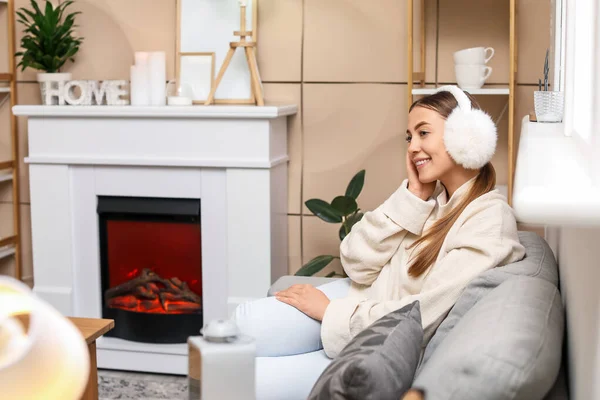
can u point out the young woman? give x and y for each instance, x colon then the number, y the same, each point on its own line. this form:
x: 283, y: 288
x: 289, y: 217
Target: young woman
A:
x: 443, y: 226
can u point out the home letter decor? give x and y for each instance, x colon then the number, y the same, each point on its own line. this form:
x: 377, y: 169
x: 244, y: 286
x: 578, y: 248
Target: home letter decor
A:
x: 51, y: 90
x: 98, y: 93
x: 85, y: 96
x: 116, y: 89
x: 90, y: 92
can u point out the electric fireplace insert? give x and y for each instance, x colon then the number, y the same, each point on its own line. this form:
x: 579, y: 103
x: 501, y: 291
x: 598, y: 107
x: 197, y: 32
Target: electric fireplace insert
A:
x: 151, y: 267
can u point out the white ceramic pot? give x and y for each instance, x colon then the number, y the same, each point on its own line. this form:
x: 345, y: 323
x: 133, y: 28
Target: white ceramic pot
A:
x: 549, y: 105
x: 51, y: 79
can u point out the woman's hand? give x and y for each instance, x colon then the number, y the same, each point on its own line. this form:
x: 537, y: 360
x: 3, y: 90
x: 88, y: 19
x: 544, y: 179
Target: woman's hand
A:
x: 306, y: 298
x: 421, y: 190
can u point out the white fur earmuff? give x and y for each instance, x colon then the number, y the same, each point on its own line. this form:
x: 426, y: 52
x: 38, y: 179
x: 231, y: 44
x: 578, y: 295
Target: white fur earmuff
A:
x: 470, y: 135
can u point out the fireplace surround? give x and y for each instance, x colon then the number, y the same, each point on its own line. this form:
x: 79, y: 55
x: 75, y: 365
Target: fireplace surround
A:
x: 231, y: 161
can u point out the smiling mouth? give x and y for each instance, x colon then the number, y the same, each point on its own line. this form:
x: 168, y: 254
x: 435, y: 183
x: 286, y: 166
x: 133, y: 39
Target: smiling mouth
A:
x: 422, y: 163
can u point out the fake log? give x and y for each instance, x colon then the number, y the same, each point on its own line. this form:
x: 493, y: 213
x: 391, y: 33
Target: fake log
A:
x: 148, y: 292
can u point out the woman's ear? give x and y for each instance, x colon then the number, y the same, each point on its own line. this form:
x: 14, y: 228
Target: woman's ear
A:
x: 470, y: 137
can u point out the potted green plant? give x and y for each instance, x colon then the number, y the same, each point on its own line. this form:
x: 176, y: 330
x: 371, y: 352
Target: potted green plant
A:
x: 48, y: 40
x: 342, y: 209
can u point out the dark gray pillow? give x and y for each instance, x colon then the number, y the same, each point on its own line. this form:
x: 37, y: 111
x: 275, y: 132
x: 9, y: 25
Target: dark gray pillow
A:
x: 379, y: 363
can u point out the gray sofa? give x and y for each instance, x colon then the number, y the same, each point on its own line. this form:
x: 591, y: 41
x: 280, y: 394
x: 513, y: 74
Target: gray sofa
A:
x: 503, y: 338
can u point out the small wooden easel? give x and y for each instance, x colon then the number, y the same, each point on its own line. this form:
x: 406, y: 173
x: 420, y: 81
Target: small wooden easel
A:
x: 255, y: 88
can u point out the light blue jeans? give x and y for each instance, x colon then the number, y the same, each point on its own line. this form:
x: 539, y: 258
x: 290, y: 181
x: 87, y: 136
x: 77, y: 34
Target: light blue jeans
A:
x: 290, y: 356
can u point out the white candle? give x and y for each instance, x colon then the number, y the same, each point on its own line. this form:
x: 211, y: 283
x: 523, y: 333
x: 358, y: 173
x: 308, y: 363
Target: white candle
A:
x: 157, y: 63
x: 179, y: 101
x: 141, y: 58
x: 139, y: 93
x: 140, y: 79
x: 133, y: 94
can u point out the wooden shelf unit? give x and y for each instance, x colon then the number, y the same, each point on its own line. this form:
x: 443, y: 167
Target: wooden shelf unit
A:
x: 9, y: 169
x: 424, y: 89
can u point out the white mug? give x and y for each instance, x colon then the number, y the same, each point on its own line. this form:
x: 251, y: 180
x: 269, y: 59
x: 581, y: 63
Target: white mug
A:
x: 471, y: 76
x: 474, y: 55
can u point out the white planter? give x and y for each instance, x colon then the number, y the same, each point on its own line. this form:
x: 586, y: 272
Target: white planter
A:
x: 549, y: 105
x: 50, y: 80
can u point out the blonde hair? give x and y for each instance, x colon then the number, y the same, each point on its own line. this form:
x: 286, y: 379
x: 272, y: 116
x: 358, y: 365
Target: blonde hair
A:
x: 431, y: 242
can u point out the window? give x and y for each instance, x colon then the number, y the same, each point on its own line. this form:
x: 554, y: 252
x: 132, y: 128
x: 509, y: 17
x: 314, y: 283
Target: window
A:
x: 580, y: 58
x: 582, y: 68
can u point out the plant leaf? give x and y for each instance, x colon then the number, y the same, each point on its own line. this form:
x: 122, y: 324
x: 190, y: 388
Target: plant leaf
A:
x: 344, y: 205
x: 342, y: 232
x: 323, y: 210
x: 314, y: 265
x: 349, y: 223
x: 48, y: 41
x: 330, y: 275
x: 353, y: 219
x: 356, y: 184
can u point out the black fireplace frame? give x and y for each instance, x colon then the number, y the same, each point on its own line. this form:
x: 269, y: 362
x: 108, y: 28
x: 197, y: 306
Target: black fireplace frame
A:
x: 136, y: 326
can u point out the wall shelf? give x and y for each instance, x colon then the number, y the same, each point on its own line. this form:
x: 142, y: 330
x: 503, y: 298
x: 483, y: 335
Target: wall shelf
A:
x: 417, y: 84
x: 503, y: 90
x: 6, y: 251
x: 9, y: 168
x: 4, y: 177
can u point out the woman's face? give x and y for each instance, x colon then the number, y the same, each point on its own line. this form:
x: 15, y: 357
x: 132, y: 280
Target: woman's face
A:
x: 426, y: 149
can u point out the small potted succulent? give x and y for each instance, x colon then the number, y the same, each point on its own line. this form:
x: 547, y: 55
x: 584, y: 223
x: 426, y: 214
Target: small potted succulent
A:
x: 48, y: 40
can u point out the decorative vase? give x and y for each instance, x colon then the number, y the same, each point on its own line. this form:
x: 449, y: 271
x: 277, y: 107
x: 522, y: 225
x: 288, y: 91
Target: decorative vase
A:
x: 549, y: 105
x: 49, y: 80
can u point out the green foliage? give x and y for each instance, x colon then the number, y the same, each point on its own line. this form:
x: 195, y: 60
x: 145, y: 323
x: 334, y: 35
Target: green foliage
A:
x: 315, y: 265
x: 48, y: 40
x: 342, y: 209
x: 356, y: 184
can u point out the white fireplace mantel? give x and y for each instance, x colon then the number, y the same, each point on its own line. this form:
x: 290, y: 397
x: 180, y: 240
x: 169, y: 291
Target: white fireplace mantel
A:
x: 194, y: 112
x: 236, y: 146
x: 232, y: 158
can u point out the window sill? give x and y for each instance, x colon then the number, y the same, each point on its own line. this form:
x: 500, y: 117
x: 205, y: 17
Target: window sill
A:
x: 552, y: 184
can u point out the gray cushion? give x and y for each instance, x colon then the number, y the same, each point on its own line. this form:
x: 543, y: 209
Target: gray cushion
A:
x: 379, y: 363
x: 559, y: 391
x: 508, y: 346
x: 538, y: 262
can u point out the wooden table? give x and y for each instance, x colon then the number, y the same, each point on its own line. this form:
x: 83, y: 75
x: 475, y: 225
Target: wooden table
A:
x: 92, y: 329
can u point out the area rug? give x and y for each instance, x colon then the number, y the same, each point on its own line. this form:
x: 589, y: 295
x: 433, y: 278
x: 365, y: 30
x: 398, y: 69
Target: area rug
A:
x: 132, y: 385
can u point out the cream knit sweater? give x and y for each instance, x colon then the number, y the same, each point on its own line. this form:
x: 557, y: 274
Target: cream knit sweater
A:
x: 376, y: 258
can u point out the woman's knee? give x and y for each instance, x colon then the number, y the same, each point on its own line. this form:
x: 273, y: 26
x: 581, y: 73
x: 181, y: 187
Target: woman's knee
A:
x: 279, y: 329
x: 336, y: 289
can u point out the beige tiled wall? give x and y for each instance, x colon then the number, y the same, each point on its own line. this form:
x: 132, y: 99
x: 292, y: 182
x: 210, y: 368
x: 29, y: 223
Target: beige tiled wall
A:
x: 342, y: 61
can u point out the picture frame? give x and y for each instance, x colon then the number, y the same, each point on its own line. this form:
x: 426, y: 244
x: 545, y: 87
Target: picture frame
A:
x: 198, y: 70
x: 208, y: 26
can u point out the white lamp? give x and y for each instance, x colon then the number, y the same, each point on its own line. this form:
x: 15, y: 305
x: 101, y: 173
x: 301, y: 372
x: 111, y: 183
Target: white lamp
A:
x: 50, y: 361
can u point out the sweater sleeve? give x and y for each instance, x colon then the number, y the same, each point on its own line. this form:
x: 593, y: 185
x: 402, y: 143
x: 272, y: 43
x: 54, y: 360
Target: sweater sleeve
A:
x: 486, y: 240
x: 376, y: 237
